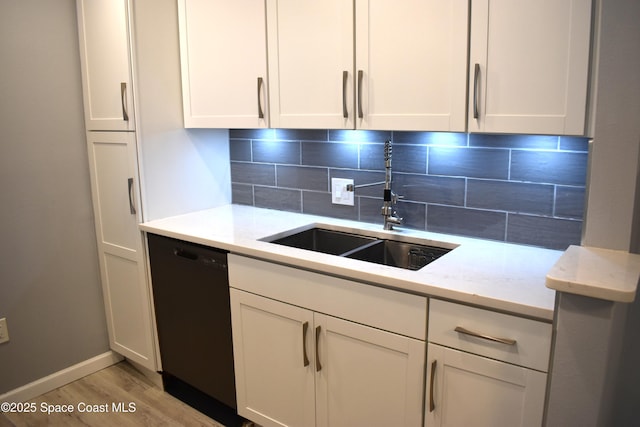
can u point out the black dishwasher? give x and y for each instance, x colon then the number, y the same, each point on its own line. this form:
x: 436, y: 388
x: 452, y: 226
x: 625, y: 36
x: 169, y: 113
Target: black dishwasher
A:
x: 191, y: 297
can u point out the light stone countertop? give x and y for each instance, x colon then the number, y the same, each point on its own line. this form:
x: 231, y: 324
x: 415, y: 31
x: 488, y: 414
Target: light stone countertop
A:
x: 598, y: 273
x: 495, y: 275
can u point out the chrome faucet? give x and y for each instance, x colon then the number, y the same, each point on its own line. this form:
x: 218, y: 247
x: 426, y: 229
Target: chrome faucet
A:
x: 388, y: 211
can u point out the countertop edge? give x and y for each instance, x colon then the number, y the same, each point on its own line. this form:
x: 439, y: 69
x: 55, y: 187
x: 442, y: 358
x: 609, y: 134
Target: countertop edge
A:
x: 431, y: 291
x: 597, y: 273
x: 175, y: 227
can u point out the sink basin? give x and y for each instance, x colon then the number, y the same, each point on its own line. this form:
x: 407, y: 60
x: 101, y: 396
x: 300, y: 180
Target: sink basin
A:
x: 398, y: 254
x: 325, y: 241
x: 404, y: 253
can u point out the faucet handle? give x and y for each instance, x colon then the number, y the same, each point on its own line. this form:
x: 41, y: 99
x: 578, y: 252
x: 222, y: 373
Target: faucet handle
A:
x: 395, y: 197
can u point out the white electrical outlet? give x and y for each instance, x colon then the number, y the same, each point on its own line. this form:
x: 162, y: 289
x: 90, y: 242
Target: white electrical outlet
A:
x: 339, y: 193
x: 4, y: 332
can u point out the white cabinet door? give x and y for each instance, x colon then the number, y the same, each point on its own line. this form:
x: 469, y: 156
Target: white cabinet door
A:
x: 112, y: 164
x: 366, y: 376
x: 274, y: 379
x: 529, y: 63
x: 468, y: 390
x: 296, y: 367
x: 112, y: 160
x: 105, y: 64
x: 411, y: 64
x: 224, y: 63
x: 311, y: 63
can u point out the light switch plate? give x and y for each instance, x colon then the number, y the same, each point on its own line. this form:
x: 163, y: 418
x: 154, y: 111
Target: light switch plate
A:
x: 339, y: 193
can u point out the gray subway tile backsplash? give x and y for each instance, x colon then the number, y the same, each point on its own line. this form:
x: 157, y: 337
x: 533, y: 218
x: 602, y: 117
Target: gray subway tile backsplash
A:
x: 524, y: 189
x: 470, y: 162
x: 242, y: 194
x: 554, y: 167
x: 287, y: 152
x: 468, y: 222
x: 317, y: 203
x: 447, y: 139
x: 253, y: 173
x: 240, y: 150
x: 543, y: 231
x: 359, y: 135
x: 277, y: 198
x: 301, y: 135
x: 302, y: 177
x: 570, y: 202
x: 340, y: 155
x: 538, y: 142
x: 430, y: 189
x: 510, y: 196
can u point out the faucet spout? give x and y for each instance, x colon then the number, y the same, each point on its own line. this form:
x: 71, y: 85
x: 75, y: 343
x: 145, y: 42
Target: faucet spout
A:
x: 390, y: 198
x: 389, y: 213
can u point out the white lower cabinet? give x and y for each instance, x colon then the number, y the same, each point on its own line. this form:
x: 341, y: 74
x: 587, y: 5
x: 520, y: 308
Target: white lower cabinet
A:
x: 113, y: 171
x: 480, y: 371
x: 297, y: 366
x: 465, y: 389
x: 274, y: 387
x: 366, y: 377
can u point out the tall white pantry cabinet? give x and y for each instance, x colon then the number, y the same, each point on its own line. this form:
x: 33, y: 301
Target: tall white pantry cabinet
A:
x: 105, y: 56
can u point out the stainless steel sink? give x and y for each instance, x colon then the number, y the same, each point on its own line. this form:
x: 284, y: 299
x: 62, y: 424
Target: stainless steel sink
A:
x: 325, y: 241
x: 398, y: 254
x: 405, y: 253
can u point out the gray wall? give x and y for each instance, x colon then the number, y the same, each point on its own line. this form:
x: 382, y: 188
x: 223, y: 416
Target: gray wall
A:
x: 616, y: 128
x: 595, y: 364
x: 49, y: 278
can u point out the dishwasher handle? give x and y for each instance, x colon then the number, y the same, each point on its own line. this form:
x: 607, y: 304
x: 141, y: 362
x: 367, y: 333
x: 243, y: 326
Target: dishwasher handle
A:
x: 185, y: 254
x: 205, y: 259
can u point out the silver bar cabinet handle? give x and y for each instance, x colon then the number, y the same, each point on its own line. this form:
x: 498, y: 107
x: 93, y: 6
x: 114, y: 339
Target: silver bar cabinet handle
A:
x: 123, y: 98
x: 360, y: 77
x: 345, y: 77
x: 132, y: 208
x: 318, y: 365
x: 305, y: 359
x: 432, y: 402
x: 260, y: 112
x: 476, y: 76
x: 507, y: 341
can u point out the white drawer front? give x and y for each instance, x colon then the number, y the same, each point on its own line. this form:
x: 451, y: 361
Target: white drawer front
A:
x: 393, y: 311
x: 532, y: 339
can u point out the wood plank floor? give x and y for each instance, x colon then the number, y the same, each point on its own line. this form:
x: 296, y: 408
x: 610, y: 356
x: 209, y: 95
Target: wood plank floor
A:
x: 117, y: 384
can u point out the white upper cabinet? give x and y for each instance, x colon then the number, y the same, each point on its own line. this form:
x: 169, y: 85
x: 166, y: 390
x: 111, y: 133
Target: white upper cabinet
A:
x: 105, y: 64
x: 311, y: 63
x: 529, y: 63
x: 224, y: 63
x: 388, y: 65
x: 411, y: 64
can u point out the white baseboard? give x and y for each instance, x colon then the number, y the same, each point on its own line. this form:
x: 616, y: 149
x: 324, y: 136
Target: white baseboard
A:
x: 60, y: 378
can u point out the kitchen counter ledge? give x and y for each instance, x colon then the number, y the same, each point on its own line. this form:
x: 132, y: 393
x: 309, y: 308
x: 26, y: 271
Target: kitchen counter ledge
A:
x: 597, y: 273
x: 494, y: 275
